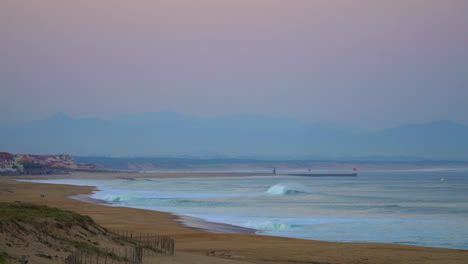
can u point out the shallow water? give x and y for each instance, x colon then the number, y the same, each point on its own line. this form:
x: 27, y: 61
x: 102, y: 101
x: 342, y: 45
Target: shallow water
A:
x: 405, y: 207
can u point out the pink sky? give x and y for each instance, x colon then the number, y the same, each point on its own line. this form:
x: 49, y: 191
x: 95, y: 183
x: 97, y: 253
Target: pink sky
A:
x: 373, y: 63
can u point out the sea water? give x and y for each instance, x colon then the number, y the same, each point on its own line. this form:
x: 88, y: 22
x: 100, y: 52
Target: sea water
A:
x: 403, y: 207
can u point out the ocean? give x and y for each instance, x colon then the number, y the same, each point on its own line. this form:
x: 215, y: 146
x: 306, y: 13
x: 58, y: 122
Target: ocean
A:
x: 402, y: 207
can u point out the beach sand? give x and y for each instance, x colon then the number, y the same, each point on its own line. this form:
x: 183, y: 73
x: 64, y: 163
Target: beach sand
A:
x: 194, y: 245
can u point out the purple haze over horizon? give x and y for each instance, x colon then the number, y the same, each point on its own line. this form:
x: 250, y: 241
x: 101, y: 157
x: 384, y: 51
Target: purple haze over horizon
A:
x: 372, y: 63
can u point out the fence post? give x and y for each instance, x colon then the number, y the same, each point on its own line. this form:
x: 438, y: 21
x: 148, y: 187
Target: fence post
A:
x: 160, y: 241
x: 172, y: 247
x: 137, y: 254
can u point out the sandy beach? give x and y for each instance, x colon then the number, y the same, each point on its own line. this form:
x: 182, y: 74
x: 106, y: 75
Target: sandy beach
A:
x: 223, y: 244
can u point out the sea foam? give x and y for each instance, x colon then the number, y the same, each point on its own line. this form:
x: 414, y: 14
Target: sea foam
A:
x: 390, y: 206
x: 288, y: 189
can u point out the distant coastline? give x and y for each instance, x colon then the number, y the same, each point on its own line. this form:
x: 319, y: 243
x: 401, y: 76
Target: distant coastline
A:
x: 26, y: 164
x: 200, y: 165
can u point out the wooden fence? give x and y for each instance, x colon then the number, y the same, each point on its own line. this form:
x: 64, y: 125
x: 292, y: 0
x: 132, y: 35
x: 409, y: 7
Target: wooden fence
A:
x: 163, y: 244
x: 138, y: 248
x: 131, y: 256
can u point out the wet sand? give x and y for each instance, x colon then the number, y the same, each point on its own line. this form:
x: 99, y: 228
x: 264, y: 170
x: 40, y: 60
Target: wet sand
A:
x: 188, y: 221
x: 213, y: 227
x: 194, y: 245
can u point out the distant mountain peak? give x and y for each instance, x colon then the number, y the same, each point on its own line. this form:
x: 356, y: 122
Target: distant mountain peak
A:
x: 60, y: 116
x: 171, y: 133
x: 152, y: 117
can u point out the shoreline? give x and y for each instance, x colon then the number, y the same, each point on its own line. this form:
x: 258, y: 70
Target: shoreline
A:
x: 88, y: 199
x: 185, y: 220
x: 197, y: 246
x: 192, y: 222
x: 212, y: 227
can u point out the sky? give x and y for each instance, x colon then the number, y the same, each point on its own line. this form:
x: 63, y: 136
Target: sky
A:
x: 371, y: 63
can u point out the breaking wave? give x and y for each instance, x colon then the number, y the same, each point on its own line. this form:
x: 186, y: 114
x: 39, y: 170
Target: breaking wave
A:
x: 288, y: 189
x: 270, y: 225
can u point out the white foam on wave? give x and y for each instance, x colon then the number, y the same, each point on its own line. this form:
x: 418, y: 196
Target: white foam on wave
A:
x: 269, y: 225
x: 261, y: 224
x: 288, y: 189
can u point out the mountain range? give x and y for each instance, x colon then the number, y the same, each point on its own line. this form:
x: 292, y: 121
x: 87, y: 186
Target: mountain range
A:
x: 173, y: 134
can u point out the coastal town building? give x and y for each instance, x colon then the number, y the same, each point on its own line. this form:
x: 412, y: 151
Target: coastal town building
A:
x: 24, y: 162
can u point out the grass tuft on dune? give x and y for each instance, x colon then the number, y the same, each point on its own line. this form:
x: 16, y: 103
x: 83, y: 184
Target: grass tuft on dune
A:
x: 43, y: 234
x: 23, y: 212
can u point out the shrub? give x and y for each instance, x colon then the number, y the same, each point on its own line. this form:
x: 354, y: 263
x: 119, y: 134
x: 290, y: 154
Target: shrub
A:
x: 32, y: 165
